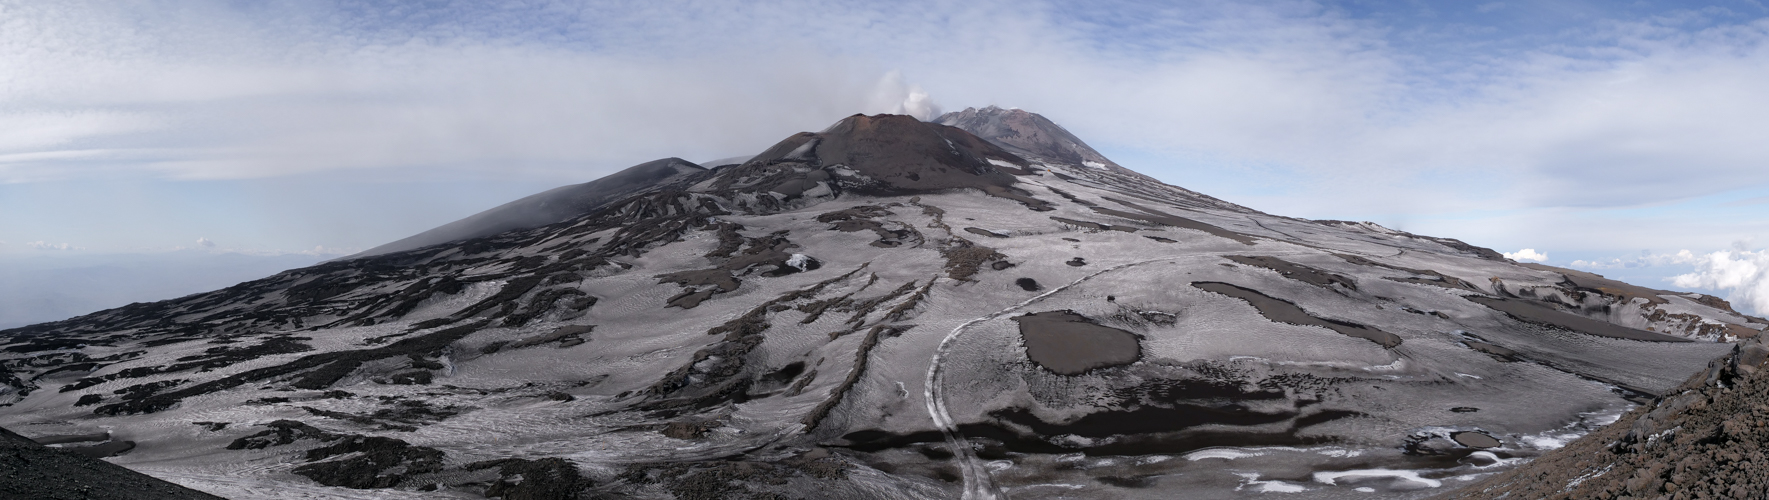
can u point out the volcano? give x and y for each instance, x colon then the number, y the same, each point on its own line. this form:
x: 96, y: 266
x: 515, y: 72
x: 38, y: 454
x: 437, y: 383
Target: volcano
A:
x: 980, y: 306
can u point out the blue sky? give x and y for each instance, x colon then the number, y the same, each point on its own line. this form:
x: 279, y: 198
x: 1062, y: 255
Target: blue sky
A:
x: 1610, y: 135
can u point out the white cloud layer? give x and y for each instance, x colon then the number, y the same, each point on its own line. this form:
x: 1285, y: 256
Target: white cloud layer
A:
x: 1741, y: 272
x: 1527, y: 254
x: 44, y: 245
x: 1745, y: 273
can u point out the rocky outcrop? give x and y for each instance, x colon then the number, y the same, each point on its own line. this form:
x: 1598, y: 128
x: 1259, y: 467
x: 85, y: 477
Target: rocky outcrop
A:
x: 1709, y: 439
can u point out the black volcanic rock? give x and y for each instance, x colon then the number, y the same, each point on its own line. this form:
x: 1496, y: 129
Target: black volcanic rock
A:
x: 900, y: 153
x: 881, y: 155
x: 31, y: 470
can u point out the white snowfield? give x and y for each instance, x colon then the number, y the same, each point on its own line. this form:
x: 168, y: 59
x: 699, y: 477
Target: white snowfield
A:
x: 873, y: 354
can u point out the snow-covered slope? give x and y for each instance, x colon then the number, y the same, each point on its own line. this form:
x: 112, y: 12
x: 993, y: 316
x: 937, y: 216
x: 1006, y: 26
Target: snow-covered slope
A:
x: 883, y: 309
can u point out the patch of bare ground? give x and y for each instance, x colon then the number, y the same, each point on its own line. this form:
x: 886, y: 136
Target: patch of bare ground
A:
x: 1093, y: 225
x: 1284, y: 311
x: 964, y: 258
x: 1071, y: 344
x: 1295, y: 271
x: 1432, y: 278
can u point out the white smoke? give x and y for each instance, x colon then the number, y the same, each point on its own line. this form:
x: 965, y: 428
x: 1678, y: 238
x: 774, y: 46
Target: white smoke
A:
x: 898, y: 97
x: 1744, y: 272
x: 1527, y: 254
x: 205, y: 242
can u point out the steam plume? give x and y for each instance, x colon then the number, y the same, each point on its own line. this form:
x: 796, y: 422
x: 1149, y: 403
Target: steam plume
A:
x: 898, y: 97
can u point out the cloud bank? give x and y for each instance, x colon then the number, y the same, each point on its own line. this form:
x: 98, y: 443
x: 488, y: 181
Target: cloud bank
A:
x: 1527, y: 254
x: 1740, y: 272
x: 1743, y: 272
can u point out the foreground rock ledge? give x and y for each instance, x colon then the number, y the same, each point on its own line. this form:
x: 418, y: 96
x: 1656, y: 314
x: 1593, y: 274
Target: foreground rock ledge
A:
x: 1705, y: 440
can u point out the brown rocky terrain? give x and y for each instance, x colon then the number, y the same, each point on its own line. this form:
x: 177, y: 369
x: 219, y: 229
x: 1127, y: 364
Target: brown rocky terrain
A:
x: 1705, y: 440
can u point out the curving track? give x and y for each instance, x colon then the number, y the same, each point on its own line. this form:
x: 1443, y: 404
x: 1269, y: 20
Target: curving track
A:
x: 978, y: 484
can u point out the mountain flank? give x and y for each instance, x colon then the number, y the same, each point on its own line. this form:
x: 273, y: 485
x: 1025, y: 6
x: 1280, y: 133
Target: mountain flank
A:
x: 977, y: 307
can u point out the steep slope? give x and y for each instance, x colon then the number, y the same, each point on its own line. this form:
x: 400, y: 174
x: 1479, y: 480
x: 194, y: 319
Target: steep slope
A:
x: 1035, y: 137
x: 882, y: 309
x: 1027, y: 133
x: 552, y: 206
x: 39, y: 472
x: 1704, y: 440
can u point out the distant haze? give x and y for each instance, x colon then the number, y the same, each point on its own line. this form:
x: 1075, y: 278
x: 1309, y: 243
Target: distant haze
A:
x: 50, y: 288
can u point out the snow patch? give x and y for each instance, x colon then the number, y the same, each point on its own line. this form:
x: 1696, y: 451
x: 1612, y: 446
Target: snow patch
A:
x: 803, y: 152
x: 818, y: 191
x: 1587, y: 422
x: 1273, y: 486
x: 1334, y: 476
x: 1223, y: 453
